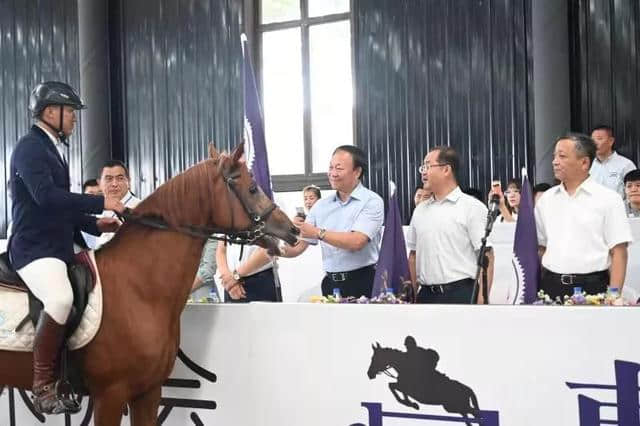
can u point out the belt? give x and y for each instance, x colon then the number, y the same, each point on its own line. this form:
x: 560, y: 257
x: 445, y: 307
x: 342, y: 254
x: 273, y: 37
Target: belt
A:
x: 443, y: 288
x: 338, y: 277
x: 576, y: 279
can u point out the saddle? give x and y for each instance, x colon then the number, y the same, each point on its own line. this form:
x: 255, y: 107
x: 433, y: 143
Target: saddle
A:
x: 81, y: 275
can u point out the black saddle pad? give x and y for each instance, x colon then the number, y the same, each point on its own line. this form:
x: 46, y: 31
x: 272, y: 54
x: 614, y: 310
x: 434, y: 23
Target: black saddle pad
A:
x: 9, y: 277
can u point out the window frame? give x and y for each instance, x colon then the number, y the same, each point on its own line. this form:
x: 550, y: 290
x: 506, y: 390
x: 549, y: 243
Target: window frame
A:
x: 295, y: 182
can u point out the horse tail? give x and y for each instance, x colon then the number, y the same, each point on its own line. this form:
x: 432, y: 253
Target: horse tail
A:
x: 474, y: 402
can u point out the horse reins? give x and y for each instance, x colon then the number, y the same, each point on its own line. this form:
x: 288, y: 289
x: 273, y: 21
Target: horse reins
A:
x: 250, y: 236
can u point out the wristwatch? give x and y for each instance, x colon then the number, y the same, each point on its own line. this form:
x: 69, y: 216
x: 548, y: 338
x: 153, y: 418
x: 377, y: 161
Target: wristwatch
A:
x: 235, y: 275
x: 321, y: 234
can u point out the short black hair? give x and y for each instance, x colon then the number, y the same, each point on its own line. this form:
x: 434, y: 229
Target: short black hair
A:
x: 584, y: 145
x: 541, y: 187
x: 448, y: 156
x: 632, y: 176
x: 605, y: 127
x: 115, y: 163
x: 358, y: 155
x: 89, y: 182
x: 314, y: 189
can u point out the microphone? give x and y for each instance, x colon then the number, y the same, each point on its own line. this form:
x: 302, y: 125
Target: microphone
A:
x: 494, y: 205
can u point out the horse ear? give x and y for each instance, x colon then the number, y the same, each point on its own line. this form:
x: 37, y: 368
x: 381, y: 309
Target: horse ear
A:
x: 378, y: 345
x: 373, y: 347
x: 213, y: 153
x: 237, y: 153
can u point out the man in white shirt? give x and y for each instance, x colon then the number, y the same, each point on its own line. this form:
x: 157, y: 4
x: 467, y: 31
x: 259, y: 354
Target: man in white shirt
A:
x: 609, y: 167
x: 114, y: 183
x: 445, y: 234
x: 582, y: 227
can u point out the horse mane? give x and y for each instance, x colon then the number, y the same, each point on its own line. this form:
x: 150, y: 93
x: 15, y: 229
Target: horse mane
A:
x: 186, y: 198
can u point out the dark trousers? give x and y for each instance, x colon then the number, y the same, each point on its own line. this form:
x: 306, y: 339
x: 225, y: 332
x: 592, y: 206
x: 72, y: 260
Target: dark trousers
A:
x: 356, y: 283
x: 557, y: 285
x: 453, y: 292
x: 260, y: 287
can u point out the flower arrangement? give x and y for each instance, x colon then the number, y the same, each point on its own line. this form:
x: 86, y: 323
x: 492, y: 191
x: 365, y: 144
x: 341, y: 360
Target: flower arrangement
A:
x: 385, y: 298
x: 611, y: 298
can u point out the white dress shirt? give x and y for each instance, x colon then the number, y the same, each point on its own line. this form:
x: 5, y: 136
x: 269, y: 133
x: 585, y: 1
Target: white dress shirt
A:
x: 56, y: 142
x: 578, y: 231
x: 446, y: 236
x: 129, y: 200
x: 611, y: 171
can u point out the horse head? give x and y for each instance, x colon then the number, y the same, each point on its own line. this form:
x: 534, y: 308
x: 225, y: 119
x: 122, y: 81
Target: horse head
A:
x: 381, y: 360
x: 250, y: 208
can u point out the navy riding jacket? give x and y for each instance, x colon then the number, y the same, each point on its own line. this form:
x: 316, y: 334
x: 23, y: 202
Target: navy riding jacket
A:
x: 47, y: 216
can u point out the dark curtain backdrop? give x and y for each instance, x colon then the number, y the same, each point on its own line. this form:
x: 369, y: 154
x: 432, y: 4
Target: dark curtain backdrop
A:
x: 176, y: 84
x: 605, y: 36
x: 442, y: 72
x: 38, y: 42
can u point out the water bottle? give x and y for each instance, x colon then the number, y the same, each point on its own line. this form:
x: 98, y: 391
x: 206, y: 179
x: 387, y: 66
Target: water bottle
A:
x: 336, y: 294
x: 613, y: 294
x: 578, y: 297
x: 213, y: 295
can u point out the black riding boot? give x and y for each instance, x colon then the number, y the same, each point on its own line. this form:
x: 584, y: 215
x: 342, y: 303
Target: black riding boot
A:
x: 49, y: 338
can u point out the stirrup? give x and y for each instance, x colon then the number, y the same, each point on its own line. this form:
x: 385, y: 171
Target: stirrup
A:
x: 56, y: 398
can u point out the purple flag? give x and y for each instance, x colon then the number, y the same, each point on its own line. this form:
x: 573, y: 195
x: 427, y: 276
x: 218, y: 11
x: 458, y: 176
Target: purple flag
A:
x: 393, y: 266
x: 525, y: 247
x: 255, y: 146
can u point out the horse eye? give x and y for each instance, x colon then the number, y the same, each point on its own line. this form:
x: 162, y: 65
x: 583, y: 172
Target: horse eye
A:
x: 253, y: 188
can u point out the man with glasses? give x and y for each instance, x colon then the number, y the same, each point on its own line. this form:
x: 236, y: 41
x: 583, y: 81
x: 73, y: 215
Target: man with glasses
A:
x: 445, y: 234
x: 632, y: 192
x: 114, y: 184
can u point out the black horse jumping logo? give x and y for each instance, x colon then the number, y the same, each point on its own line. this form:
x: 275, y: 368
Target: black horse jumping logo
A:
x: 418, y: 378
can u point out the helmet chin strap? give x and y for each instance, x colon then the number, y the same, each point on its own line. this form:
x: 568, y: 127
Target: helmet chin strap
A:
x: 61, y: 135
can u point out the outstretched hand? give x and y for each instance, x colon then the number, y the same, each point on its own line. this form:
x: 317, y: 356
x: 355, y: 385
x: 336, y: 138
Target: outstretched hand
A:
x: 108, y: 224
x: 114, y: 205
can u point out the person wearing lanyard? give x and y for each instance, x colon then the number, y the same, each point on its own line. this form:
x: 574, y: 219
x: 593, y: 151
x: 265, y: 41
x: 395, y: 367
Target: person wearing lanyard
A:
x: 445, y: 234
x: 347, y: 224
x: 114, y: 183
x: 582, y: 227
x: 46, y: 220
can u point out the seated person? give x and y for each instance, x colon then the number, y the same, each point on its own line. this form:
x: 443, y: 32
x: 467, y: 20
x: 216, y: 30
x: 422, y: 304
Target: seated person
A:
x: 632, y: 193
x: 310, y: 195
x: 114, y: 183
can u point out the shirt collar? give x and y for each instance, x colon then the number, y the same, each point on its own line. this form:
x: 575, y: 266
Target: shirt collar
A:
x: 609, y: 158
x: 127, y: 197
x: 588, y: 185
x: 452, y: 196
x: 358, y: 193
x: 53, y: 138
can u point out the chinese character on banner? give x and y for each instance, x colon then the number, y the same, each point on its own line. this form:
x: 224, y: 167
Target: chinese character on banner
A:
x: 627, y: 402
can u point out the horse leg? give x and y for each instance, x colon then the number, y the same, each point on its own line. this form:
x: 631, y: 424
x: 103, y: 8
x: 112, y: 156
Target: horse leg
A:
x: 396, y: 391
x: 107, y: 410
x: 144, y: 409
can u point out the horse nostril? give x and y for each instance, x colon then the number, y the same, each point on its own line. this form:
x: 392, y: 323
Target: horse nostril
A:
x: 295, y: 230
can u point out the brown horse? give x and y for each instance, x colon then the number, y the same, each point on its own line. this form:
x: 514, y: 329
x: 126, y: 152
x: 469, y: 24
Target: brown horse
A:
x: 146, y: 277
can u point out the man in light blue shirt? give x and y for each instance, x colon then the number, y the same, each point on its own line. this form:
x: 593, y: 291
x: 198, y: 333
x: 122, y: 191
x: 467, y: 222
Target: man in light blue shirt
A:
x: 347, y: 224
x: 609, y: 168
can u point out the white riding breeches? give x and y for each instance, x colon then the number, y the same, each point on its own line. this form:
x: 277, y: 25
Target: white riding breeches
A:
x: 48, y: 281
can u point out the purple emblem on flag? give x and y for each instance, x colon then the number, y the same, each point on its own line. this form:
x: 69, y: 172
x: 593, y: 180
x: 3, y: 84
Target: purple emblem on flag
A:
x: 525, y: 247
x: 393, y: 266
x: 255, y: 146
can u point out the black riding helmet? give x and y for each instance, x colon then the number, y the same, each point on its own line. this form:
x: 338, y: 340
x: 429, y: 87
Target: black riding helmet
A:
x: 54, y: 93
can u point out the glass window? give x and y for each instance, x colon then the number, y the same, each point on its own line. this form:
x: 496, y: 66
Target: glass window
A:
x: 327, y: 7
x: 283, y: 102
x: 331, y: 90
x: 279, y: 10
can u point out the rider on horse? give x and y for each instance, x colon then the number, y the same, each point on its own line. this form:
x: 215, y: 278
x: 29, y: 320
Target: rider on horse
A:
x: 47, y: 218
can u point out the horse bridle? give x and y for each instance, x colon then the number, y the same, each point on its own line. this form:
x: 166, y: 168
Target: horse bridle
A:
x: 250, y: 236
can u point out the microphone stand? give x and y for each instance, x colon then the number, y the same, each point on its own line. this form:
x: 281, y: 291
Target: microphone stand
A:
x: 483, y: 260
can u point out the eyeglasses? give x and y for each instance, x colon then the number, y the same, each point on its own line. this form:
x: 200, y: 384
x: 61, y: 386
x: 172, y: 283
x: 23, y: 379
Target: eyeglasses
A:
x: 119, y: 178
x: 632, y: 185
x: 426, y: 167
